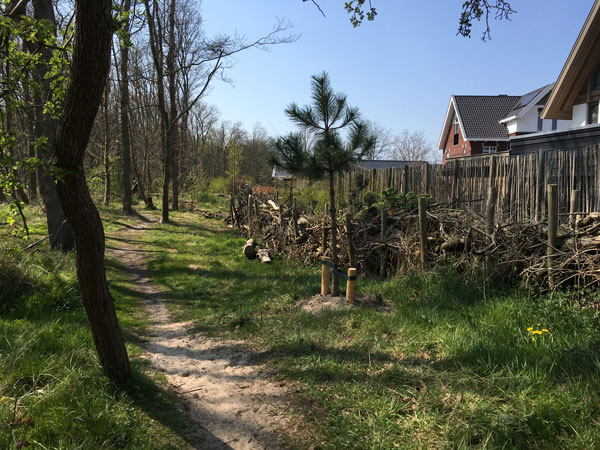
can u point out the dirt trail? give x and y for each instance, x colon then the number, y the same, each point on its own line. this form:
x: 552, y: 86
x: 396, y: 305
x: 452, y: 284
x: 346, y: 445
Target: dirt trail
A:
x: 230, y: 400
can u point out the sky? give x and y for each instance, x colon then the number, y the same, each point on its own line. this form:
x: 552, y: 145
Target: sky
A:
x: 399, y: 70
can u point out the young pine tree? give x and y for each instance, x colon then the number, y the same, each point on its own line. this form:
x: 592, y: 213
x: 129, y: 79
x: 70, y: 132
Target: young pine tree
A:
x: 320, y: 150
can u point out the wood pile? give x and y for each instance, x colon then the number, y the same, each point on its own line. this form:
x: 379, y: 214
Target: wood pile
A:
x: 512, y: 251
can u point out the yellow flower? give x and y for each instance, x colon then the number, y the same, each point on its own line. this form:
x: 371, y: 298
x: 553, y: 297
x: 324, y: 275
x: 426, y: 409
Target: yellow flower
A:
x: 530, y: 328
x: 4, y: 399
x: 533, y: 338
x: 539, y: 324
x: 545, y: 330
x: 536, y: 332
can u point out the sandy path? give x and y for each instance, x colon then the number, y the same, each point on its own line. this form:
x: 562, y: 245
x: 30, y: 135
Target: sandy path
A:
x: 232, y: 403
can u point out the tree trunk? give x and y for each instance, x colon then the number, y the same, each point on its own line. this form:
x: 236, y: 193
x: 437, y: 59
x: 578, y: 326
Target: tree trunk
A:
x: 59, y: 229
x: 89, y: 69
x: 124, y: 116
x: 334, y: 251
x: 106, y: 147
x: 171, y: 157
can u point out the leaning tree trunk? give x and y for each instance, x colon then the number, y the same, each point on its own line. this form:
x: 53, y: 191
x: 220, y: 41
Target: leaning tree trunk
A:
x: 334, y: 252
x: 89, y: 69
x: 124, y: 116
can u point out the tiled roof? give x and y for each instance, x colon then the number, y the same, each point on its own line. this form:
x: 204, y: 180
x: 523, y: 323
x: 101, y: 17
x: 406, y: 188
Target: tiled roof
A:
x: 479, y: 115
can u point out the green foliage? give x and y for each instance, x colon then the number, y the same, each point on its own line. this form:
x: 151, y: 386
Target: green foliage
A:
x: 325, y: 152
x: 234, y: 163
x: 358, y: 11
x: 390, y: 198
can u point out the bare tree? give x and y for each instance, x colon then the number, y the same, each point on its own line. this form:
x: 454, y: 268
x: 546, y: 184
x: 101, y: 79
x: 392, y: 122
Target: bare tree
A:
x: 411, y: 146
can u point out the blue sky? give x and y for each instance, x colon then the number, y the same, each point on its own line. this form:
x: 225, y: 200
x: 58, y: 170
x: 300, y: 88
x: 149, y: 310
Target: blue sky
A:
x: 400, y: 70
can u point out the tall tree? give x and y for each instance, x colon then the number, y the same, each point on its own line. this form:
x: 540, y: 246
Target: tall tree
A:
x: 325, y: 153
x: 89, y: 69
x: 123, y: 71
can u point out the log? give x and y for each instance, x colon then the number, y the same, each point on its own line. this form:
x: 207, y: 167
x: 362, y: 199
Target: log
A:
x: 249, y: 249
x: 264, y: 256
x: 273, y: 205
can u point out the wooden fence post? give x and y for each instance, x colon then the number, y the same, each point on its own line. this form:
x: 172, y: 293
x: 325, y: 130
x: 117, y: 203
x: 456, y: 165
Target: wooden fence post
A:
x: 574, y: 209
x: 351, y: 285
x: 295, y: 220
x: 490, y: 210
x: 232, y: 210
x: 540, y: 174
x: 249, y: 207
x: 325, y: 277
x: 349, y: 234
x: 405, y: 186
x: 384, y: 217
x: 552, y: 230
x: 423, y: 231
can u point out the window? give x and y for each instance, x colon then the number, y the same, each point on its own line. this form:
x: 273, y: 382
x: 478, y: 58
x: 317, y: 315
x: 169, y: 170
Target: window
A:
x: 596, y: 80
x: 456, y: 131
x: 487, y: 149
x: 592, y: 113
x: 554, y: 124
x: 540, y: 122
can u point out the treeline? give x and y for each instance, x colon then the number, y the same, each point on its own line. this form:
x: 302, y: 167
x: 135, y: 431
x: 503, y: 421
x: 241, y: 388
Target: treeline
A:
x: 154, y: 134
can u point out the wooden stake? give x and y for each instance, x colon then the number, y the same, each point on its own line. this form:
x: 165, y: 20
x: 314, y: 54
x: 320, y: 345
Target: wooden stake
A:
x: 249, y: 215
x: 552, y: 230
x: 349, y: 234
x: 423, y: 231
x: 295, y: 220
x: 325, y: 277
x: 384, y: 217
x: 490, y: 210
x: 232, y: 210
x: 351, y: 286
x: 574, y: 208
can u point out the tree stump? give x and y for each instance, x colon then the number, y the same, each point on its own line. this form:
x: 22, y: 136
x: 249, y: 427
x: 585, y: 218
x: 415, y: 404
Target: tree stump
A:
x: 249, y: 249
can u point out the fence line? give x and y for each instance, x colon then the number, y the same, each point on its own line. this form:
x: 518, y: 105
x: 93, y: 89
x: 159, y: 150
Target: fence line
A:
x: 521, y: 181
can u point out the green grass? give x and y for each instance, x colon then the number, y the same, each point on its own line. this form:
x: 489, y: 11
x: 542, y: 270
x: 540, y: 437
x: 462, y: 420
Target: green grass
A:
x: 447, y: 368
x: 49, y: 366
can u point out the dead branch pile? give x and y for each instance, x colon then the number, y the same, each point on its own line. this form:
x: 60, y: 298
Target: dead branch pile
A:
x: 511, y: 251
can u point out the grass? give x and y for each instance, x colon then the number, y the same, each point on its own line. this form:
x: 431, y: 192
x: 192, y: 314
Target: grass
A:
x: 49, y: 370
x: 447, y: 368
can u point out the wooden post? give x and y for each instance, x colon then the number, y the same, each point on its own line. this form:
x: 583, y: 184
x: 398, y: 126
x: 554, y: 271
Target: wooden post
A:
x: 490, y: 210
x: 295, y: 220
x: 257, y: 208
x: 325, y: 277
x: 423, y: 231
x: 552, y: 230
x: 574, y: 208
x: 249, y: 215
x: 349, y: 234
x: 541, y: 167
x: 277, y: 197
x: 427, y: 179
x: 351, y: 286
x: 384, y: 217
x: 405, y: 180
x: 232, y: 210
x: 326, y: 209
x: 324, y: 237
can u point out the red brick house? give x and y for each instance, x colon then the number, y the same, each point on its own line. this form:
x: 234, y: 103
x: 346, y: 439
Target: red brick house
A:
x: 472, y: 125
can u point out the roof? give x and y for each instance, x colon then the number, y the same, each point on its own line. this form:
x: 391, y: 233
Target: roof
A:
x: 582, y: 61
x: 280, y: 174
x: 528, y: 101
x: 479, y: 116
x: 379, y: 164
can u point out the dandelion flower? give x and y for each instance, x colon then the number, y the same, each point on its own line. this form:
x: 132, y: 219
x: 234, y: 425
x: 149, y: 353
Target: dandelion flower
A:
x: 530, y: 328
x: 539, y: 324
x: 545, y: 330
x: 536, y: 332
x: 533, y: 338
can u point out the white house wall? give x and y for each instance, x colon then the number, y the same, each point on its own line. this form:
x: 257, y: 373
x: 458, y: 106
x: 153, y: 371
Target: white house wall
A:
x: 579, y: 115
x: 529, y: 121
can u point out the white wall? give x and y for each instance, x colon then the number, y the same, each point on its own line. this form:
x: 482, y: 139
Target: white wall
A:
x: 579, y: 115
x: 529, y: 122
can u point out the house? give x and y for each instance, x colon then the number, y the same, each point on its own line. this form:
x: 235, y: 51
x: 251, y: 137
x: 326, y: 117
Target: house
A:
x: 279, y: 174
x: 575, y: 96
x: 472, y: 125
x: 526, y: 116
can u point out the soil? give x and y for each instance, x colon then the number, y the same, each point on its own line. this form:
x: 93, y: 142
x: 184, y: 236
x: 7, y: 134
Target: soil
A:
x: 231, y: 400
x: 317, y: 303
